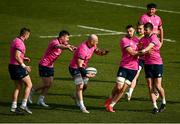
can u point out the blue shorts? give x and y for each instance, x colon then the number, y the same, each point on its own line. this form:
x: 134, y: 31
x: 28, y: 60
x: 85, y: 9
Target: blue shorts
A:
x: 17, y: 72
x: 74, y: 71
x: 141, y: 63
x: 78, y: 78
x: 128, y: 74
x: 45, y: 71
x: 153, y: 71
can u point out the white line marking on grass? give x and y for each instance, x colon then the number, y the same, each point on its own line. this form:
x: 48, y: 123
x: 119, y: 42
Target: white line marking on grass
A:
x: 169, y: 40
x: 109, y: 32
x: 98, y: 29
x: 80, y: 35
x: 131, y: 6
x: 115, y: 32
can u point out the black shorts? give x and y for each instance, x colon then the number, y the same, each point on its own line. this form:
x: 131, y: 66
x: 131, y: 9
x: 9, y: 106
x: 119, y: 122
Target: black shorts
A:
x: 153, y: 71
x: 45, y: 71
x: 141, y: 63
x: 17, y: 72
x: 74, y: 72
x: 128, y: 74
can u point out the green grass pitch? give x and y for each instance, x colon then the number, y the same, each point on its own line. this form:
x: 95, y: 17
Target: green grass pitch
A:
x: 47, y: 18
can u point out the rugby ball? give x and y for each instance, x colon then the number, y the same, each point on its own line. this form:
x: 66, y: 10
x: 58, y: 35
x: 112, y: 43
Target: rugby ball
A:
x: 91, y: 70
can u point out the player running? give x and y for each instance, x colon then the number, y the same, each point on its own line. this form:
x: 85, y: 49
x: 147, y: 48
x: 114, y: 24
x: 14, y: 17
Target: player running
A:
x: 153, y: 66
x: 78, y: 65
x: 19, y: 72
x: 127, y: 69
x: 46, y: 65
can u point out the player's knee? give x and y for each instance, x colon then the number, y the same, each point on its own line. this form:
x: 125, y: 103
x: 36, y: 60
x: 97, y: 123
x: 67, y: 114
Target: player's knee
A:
x: 80, y: 86
x: 119, y: 87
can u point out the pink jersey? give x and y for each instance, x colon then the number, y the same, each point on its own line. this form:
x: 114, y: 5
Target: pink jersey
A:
x: 51, y: 54
x: 154, y: 56
x: 17, y: 44
x: 83, y: 52
x: 128, y: 61
x: 155, y: 20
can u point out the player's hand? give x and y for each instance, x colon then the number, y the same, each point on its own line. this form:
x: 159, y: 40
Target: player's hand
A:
x: 105, y: 52
x: 73, y: 47
x: 27, y: 59
x: 28, y: 68
x: 70, y: 48
x: 90, y: 75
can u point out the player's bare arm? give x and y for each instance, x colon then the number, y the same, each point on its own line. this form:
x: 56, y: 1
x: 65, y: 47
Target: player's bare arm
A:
x: 133, y: 52
x: 147, y: 49
x: 161, y: 34
x: 68, y: 46
x: 20, y: 61
x: 101, y: 52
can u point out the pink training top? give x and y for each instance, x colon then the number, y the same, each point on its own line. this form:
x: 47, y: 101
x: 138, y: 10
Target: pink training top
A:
x: 17, y: 44
x: 154, y: 56
x: 52, y: 53
x: 128, y: 61
x: 155, y: 20
x: 82, y: 52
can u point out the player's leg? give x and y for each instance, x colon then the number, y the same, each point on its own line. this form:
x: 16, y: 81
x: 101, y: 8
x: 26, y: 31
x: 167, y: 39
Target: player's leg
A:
x: 119, y: 88
x: 130, y: 75
x: 121, y: 74
x: 17, y: 72
x: 85, y: 80
x: 28, y: 85
x: 158, y: 84
x: 121, y: 92
x: 46, y: 74
x: 134, y: 82
x: 79, y: 92
x: 133, y: 85
x: 149, y: 72
x: 47, y: 82
x: 153, y: 97
x: 16, y: 92
x: 161, y: 93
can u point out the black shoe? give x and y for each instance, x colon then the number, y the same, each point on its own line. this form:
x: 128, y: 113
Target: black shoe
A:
x: 162, y: 107
x: 155, y: 110
x: 16, y: 111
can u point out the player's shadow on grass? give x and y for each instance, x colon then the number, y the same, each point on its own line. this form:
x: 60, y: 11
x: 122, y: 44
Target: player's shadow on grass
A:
x: 91, y: 80
x: 62, y: 107
x: 63, y: 78
x: 7, y: 112
x: 95, y: 97
x: 176, y: 62
x: 134, y: 110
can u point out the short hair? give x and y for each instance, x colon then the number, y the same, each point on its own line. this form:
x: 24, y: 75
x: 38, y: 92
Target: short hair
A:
x: 151, y: 5
x: 63, y: 33
x: 139, y: 24
x: 24, y: 30
x: 148, y: 25
x: 129, y: 26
